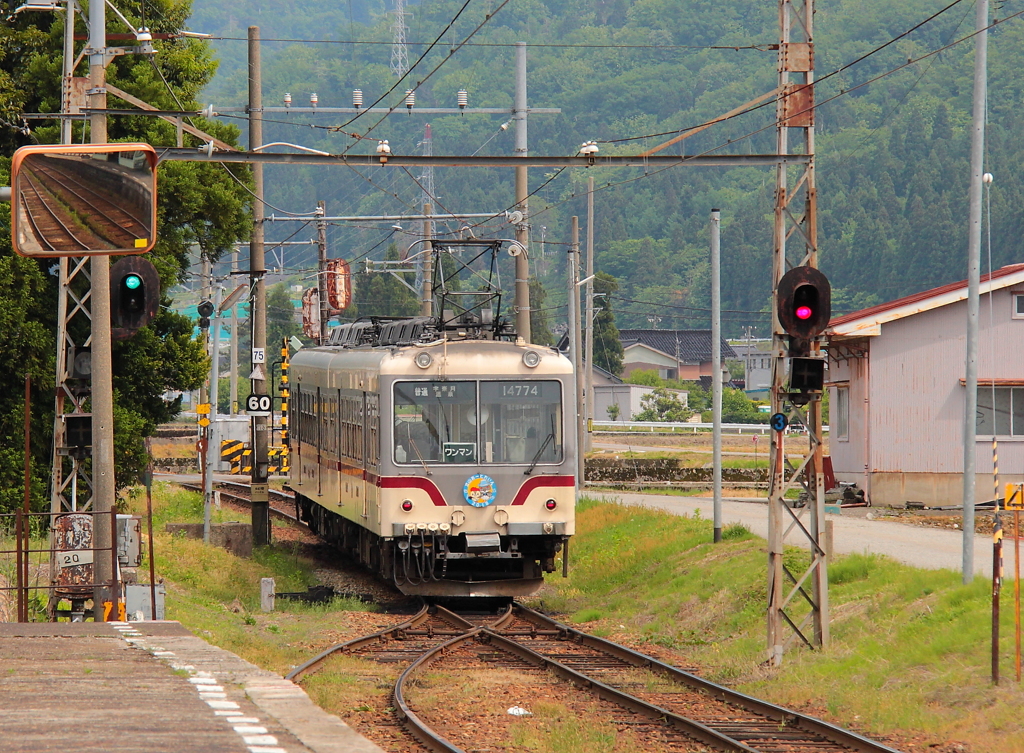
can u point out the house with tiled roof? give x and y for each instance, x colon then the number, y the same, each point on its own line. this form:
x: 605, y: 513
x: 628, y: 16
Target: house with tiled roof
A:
x: 896, y: 381
x: 674, y: 353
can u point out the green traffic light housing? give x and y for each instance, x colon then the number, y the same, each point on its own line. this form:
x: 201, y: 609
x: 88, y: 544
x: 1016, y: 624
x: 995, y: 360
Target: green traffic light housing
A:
x: 134, y: 295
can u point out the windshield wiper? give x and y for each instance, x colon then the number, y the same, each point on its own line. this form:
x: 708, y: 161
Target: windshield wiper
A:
x: 540, y: 452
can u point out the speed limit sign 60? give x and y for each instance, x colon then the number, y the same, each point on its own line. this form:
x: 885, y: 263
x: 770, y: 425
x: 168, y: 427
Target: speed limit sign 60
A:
x: 257, y: 405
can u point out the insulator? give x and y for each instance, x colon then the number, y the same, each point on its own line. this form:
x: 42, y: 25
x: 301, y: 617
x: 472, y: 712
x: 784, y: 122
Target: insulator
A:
x: 287, y: 99
x: 357, y: 98
x: 313, y: 99
x: 410, y: 98
x: 462, y: 98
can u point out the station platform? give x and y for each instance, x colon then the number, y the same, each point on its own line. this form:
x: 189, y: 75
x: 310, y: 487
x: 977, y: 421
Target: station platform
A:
x: 150, y: 687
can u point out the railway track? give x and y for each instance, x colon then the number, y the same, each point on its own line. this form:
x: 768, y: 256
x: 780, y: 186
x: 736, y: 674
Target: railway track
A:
x: 662, y: 707
x: 52, y: 226
x: 74, y: 197
x: 282, y: 504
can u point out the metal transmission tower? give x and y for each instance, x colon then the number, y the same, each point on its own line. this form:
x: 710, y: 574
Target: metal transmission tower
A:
x: 399, y: 53
x: 796, y: 600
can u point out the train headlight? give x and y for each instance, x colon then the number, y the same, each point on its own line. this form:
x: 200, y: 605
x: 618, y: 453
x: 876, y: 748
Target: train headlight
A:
x: 531, y: 358
x: 423, y: 359
x: 551, y: 504
x: 407, y: 504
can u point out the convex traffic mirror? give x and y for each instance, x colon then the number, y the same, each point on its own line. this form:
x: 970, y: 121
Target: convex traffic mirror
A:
x: 83, y: 200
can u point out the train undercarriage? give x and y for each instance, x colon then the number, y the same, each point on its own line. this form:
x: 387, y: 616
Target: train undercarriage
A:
x: 436, y: 563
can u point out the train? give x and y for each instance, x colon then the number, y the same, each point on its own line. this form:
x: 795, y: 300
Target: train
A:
x: 437, y: 452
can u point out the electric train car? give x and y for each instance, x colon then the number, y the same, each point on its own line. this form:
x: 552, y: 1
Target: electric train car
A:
x: 441, y: 458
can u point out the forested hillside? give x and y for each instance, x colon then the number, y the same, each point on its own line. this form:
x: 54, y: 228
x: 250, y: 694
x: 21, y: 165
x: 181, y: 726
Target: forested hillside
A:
x: 893, y: 153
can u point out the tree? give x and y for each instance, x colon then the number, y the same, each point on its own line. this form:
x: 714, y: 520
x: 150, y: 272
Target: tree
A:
x: 201, y: 204
x: 662, y: 405
x: 607, y: 344
x: 281, y: 324
x: 380, y: 294
x: 647, y: 377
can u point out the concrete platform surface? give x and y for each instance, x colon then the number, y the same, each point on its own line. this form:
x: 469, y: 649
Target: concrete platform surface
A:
x: 150, y: 687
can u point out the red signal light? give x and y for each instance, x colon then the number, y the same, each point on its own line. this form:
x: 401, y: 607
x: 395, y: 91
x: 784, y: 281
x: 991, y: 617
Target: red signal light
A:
x: 803, y: 312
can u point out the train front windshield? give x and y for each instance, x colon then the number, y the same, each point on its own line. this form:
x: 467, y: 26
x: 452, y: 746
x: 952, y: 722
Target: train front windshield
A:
x: 509, y: 421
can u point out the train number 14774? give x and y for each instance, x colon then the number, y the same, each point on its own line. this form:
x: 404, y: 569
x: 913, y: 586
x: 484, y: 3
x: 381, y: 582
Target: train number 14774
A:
x: 520, y: 390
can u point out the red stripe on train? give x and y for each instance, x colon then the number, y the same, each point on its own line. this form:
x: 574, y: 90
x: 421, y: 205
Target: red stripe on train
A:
x: 539, y: 482
x: 414, y: 482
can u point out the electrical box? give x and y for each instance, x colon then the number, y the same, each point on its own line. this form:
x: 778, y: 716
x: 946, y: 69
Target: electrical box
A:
x: 129, y: 540
x: 138, y: 598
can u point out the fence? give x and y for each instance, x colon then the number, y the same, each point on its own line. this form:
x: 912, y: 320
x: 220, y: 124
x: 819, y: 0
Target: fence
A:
x: 72, y: 552
x: 687, y: 428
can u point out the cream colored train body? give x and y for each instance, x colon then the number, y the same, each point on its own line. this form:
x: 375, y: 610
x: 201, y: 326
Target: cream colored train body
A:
x: 446, y: 467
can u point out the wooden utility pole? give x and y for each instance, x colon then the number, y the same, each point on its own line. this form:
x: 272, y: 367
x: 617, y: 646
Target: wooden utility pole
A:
x: 792, y: 606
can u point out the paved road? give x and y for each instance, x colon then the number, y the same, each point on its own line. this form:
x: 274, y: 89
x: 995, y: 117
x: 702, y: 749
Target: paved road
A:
x: 854, y: 531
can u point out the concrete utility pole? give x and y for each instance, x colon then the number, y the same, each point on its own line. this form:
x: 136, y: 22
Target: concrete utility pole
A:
x: 321, y: 277
x: 974, y: 283
x: 234, y: 340
x: 522, y: 296
x: 104, y: 487
x: 212, y: 435
x: 259, y: 493
x: 574, y: 344
x: 716, y: 370
x: 590, y: 312
x: 790, y: 606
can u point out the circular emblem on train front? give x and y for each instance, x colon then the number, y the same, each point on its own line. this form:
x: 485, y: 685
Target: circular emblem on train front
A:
x: 480, y: 490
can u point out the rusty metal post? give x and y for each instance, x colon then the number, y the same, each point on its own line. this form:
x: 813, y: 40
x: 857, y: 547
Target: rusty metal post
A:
x: 115, y: 591
x: 26, y: 507
x: 18, y: 566
x: 1016, y: 588
x: 997, y: 582
x: 149, y: 515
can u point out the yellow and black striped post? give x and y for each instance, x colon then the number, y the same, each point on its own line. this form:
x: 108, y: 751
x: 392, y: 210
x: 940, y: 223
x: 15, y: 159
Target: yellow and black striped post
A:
x: 284, y: 392
x: 231, y: 452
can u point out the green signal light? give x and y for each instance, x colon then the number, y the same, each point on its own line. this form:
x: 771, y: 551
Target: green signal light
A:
x: 132, y: 282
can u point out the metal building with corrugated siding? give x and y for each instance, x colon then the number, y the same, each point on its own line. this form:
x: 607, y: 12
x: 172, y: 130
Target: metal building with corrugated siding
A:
x: 896, y: 387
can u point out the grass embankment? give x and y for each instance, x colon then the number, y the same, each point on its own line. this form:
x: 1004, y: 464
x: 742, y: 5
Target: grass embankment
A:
x: 217, y: 595
x: 909, y: 655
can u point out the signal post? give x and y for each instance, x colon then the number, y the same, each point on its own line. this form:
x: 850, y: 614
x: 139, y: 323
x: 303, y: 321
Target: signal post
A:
x: 797, y: 601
